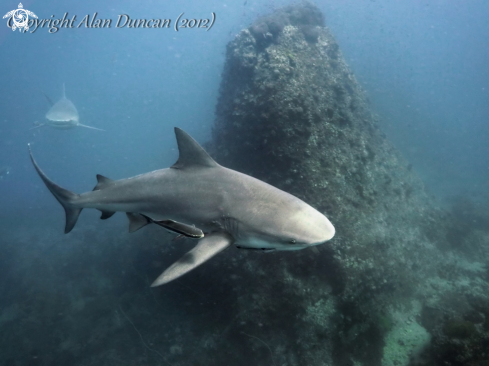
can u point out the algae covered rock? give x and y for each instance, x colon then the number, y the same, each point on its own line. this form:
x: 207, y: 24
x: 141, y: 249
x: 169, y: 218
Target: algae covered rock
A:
x: 292, y: 113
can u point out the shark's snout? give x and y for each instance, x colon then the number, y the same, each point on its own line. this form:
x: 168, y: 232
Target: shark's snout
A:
x: 328, y: 232
x: 313, y: 226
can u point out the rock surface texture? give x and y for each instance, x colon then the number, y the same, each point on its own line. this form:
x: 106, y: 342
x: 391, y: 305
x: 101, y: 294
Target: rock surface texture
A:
x: 397, y: 283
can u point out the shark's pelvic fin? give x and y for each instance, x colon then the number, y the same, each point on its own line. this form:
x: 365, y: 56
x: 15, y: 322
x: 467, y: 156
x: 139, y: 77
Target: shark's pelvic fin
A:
x: 191, y: 153
x: 136, y: 221
x: 63, y: 196
x: 208, y: 246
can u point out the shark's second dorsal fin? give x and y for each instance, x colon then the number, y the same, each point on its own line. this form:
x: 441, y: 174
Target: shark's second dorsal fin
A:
x: 191, y: 153
x: 102, y: 182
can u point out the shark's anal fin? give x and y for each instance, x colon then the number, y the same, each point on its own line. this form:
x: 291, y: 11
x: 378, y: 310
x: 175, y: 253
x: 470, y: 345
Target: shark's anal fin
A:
x: 208, y: 247
x: 178, y: 227
x: 106, y: 214
x: 136, y: 221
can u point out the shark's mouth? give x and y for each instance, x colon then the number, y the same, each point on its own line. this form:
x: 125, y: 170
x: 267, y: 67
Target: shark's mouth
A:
x: 261, y: 249
x: 63, y: 124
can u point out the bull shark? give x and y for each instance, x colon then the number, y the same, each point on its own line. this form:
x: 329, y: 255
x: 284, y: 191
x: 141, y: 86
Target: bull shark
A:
x: 63, y: 115
x: 200, y: 199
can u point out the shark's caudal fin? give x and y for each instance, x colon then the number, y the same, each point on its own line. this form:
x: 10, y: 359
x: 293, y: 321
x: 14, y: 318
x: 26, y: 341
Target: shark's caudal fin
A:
x: 64, y: 197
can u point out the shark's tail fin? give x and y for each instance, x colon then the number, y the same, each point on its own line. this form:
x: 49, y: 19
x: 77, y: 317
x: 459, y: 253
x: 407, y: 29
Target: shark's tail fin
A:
x: 65, y: 197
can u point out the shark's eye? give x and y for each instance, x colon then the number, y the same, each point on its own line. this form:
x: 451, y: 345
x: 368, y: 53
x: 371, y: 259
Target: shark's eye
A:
x: 292, y: 241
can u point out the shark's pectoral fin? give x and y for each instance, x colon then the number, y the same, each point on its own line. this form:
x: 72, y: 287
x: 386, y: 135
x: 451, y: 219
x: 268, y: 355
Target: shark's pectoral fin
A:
x: 178, y: 227
x: 38, y: 126
x: 208, y: 246
x: 93, y: 128
x: 136, y: 221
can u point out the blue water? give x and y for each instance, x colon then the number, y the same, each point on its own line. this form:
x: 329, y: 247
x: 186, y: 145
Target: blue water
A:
x: 423, y: 64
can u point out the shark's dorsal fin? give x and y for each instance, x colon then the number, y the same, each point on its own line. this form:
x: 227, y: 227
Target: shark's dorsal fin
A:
x: 191, y: 153
x: 102, y: 182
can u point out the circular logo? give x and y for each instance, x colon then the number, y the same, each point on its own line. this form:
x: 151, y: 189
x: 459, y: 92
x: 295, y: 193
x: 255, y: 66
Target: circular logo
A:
x: 20, y: 18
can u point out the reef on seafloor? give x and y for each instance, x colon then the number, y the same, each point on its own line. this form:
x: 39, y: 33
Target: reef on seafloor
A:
x: 291, y: 113
x: 403, y: 282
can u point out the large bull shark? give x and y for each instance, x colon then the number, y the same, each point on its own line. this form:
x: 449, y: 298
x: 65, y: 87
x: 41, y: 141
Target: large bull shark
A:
x: 198, y: 198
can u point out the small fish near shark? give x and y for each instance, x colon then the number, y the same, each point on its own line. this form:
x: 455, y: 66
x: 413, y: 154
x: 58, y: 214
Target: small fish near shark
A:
x: 4, y: 172
x: 63, y: 115
x: 200, y: 199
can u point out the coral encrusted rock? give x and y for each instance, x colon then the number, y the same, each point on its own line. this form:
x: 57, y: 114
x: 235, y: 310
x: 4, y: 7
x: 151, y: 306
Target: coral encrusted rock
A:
x: 292, y: 113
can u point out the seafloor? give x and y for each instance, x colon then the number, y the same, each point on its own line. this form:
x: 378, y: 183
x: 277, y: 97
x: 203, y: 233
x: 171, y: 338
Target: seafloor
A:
x: 403, y: 282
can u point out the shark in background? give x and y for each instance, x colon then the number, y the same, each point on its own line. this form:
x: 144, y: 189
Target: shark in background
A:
x: 63, y: 115
x: 200, y: 199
